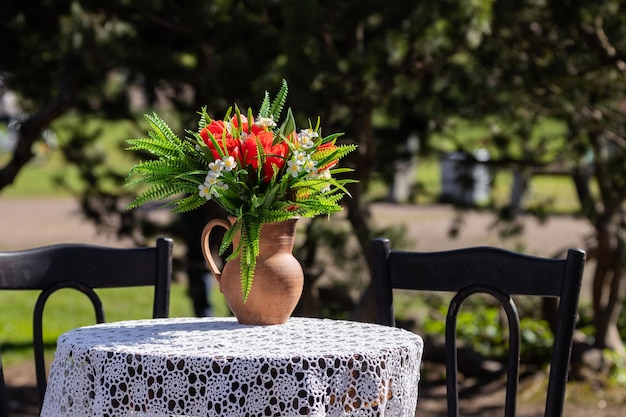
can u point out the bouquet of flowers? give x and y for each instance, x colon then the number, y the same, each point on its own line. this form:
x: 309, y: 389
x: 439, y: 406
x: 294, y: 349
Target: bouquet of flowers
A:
x: 254, y: 168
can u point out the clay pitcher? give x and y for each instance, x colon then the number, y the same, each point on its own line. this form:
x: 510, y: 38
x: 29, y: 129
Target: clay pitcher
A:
x: 278, y: 278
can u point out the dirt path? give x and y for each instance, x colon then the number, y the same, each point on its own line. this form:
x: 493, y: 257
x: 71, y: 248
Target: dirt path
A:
x: 33, y: 222
x: 429, y: 226
x: 30, y: 222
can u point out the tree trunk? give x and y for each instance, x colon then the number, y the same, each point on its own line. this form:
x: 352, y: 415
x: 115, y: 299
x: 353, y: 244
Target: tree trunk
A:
x: 358, y: 212
x: 521, y: 179
x: 608, y: 289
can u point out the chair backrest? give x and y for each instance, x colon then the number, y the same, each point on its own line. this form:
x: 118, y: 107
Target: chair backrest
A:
x: 84, y: 268
x: 493, y: 271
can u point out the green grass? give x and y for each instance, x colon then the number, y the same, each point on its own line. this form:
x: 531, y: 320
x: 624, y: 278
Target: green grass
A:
x: 68, y: 309
x: 37, y: 178
x: 553, y: 193
x: 40, y: 177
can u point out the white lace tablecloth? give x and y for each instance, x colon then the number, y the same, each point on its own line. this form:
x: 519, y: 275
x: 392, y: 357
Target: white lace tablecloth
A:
x: 217, y: 367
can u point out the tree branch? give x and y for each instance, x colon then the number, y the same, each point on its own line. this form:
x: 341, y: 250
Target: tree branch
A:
x: 30, y: 131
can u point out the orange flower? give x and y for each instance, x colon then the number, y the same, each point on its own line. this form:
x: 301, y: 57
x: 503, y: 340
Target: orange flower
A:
x: 323, y: 150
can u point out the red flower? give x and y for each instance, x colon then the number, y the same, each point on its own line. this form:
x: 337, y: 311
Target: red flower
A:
x: 275, y: 154
x: 245, y: 127
x: 251, y: 156
x: 276, y: 157
x: 232, y: 146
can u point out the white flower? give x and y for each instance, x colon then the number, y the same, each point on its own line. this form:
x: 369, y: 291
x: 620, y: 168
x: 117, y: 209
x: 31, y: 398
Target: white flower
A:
x: 205, y: 191
x: 322, y: 175
x: 219, y: 185
x: 215, y: 167
x: 229, y: 163
x: 211, y: 180
x: 300, y: 157
x: 266, y: 121
x: 309, y: 165
x: 306, y: 137
x: 293, y: 168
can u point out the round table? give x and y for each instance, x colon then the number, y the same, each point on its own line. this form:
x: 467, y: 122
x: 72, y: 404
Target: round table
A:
x: 218, y: 367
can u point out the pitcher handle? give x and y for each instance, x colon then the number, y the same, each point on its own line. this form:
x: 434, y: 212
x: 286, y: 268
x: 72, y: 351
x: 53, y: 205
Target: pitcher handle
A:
x: 206, y: 249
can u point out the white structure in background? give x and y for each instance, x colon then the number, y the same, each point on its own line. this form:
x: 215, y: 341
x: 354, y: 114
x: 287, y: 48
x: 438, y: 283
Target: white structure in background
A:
x: 8, y: 113
x: 465, y: 181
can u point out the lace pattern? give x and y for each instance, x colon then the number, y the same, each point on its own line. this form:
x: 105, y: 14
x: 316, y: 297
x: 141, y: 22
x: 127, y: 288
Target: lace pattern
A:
x: 217, y: 367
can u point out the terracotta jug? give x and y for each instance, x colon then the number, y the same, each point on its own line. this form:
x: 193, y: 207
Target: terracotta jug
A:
x: 278, y: 278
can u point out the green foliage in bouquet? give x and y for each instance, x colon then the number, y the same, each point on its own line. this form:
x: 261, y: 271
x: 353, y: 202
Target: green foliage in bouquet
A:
x: 256, y: 170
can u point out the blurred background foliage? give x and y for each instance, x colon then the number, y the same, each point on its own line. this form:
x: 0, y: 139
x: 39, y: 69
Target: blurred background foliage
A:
x: 536, y: 86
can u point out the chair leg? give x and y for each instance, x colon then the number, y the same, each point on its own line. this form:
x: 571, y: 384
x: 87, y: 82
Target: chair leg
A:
x: 4, y: 401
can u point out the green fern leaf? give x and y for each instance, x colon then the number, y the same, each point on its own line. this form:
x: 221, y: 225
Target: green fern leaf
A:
x: 264, y: 109
x: 159, y: 126
x: 273, y: 216
x: 279, y: 101
x: 189, y: 203
x: 250, y: 234
x: 227, y: 241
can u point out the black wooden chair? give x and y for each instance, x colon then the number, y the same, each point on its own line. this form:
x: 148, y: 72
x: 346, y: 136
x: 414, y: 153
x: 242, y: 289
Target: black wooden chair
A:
x: 4, y: 401
x: 84, y: 268
x: 501, y: 274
